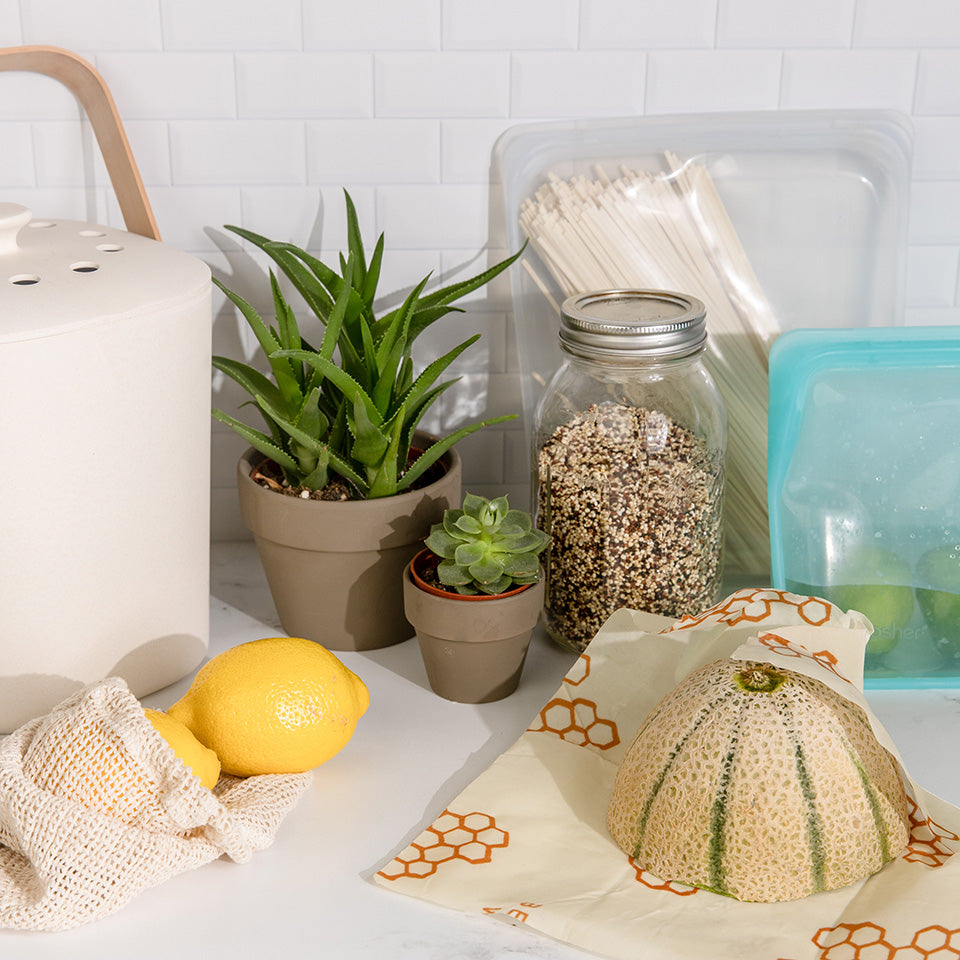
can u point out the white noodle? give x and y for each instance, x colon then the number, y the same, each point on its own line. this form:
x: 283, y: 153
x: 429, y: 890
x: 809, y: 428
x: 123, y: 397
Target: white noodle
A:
x: 671, y: 231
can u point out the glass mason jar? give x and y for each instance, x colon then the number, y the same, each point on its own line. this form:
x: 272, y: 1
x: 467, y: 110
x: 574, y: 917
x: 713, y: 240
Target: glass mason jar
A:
x: 628, y: 463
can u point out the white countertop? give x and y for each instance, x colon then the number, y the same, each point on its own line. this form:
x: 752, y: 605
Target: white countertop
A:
x: 309, y: 894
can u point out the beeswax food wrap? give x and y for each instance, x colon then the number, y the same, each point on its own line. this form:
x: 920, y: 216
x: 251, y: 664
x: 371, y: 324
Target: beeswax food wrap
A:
x: 527, y: 840
x: 95, y: 807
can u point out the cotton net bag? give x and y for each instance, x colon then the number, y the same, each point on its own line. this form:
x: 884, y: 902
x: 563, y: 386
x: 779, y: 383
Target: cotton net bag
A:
x: 95, y: 807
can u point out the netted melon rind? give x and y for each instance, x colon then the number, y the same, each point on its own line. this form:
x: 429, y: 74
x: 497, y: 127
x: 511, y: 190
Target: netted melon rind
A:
x: 761, y: 795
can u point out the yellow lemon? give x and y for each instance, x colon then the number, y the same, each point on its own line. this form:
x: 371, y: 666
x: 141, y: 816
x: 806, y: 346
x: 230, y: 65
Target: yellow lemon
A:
x: 277, y: 705
x: 200, y: 759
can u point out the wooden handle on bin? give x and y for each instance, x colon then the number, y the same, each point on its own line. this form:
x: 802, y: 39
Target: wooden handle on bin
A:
x: 90, y: 89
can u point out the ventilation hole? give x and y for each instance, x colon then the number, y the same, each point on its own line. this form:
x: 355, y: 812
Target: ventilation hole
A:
x: 24, y: 279
x: 92, y: 233
x: 84, y: 266
x: 41, y: 224
x: 109, y: 247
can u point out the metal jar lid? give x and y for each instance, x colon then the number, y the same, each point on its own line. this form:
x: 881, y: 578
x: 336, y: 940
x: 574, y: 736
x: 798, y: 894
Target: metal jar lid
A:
x: 618, y: 325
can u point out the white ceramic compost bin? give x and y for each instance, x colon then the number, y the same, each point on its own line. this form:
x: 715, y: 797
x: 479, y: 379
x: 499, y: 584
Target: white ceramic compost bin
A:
x: 104, y: 491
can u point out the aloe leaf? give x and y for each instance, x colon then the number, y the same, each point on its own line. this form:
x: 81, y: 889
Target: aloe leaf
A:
x: 355, y: 242
x: 311, y: 418
x: 436, y: 450
x: 457, y: 290
x: 331, y: 335
x: 383, y: 483
x: 368, y: 292
x: 251, y: 379
x: 260, y: 442
x: 370, y: 441
x: 340, y: 378
x: 283, y: 371
x: 433, y: 370
x: 320, y: 476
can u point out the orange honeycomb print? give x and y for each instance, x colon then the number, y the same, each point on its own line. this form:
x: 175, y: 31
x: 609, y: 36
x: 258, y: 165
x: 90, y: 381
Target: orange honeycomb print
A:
x: 471, y: 837
x: 789, y: 648
x: 579, y: 671
x: 655, y: 883
x: 756, y: 605
x: 869, y: 941
x: 577, y: 721
x: 929, y: 843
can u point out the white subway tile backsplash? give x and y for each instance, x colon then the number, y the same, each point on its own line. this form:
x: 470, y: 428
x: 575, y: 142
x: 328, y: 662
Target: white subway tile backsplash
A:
x: 936, y: 150
x: 864, y: 79
x: 433, y: 216
x: 442, y: 84
x: 68, y: 154
x: 33, y: 96
x: 290, y: 214
x: 371, y: 25
x: 932, y: 276
x: 577, y: 84
x: 237, y: 152
x: 508, y: 25
x: 893, y: 23
x: 466, y: 149
x: 656, y: 24
x: 186, y: 214
x: 260, y: 114
x: 17, y: 166
x: 715, y: 80
x: 231, y: 25
x: 938, y: 83
x: 284, y: 85
x: 935, y: 212
x: 785, y: 23
x: 93, y: 24
x: 10, y: 33
x: 160, y: 86
x: 353, y: 151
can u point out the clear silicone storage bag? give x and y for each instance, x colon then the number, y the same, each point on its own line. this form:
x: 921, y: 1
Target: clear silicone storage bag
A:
x: 864, y: 488
x: 775, y: 220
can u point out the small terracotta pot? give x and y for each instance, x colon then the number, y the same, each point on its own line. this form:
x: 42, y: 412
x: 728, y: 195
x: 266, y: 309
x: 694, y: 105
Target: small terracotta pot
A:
x: 473, y: 647
x: 334, y: 567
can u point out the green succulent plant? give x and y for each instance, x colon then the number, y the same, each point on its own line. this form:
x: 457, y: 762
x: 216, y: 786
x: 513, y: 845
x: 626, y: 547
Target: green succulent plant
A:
x: 485, y: 547
x: 350, y: 406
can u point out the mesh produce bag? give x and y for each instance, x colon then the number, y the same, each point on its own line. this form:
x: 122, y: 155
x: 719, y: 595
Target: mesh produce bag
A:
x: 96, y: 807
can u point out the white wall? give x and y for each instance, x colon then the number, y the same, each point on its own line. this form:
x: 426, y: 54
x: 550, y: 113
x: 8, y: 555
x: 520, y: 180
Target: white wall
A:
x: 258, y: 112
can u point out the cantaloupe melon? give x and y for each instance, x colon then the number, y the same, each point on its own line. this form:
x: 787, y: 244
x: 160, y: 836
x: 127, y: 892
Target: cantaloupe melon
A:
x: 760, y: 783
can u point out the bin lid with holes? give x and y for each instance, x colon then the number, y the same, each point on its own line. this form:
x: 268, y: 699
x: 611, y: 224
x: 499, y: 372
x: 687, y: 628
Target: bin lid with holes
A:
x: 57, y: 275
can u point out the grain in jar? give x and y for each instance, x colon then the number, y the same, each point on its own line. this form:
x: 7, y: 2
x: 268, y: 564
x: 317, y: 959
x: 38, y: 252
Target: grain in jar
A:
x: 628, y: 467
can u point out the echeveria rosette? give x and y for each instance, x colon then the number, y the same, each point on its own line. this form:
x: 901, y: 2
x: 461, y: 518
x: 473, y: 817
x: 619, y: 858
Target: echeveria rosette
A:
x: 485, y: 547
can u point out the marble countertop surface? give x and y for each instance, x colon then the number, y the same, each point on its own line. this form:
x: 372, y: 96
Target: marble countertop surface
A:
x: 310, y: 893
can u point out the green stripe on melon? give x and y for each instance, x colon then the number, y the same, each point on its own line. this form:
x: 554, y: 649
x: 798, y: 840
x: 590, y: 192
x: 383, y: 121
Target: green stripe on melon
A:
x: 760, y: 783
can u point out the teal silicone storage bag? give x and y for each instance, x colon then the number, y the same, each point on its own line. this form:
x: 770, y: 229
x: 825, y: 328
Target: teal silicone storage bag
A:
x: 864, y: 488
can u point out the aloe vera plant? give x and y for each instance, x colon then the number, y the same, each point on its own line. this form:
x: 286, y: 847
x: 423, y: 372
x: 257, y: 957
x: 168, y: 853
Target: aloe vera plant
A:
x: 485, y: 547
x: 351, y: 405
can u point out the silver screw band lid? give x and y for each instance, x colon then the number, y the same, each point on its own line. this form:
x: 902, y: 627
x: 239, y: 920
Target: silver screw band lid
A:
x: 632, y: 324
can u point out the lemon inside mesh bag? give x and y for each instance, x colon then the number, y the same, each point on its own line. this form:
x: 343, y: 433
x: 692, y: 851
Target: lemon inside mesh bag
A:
x: 95, y: 807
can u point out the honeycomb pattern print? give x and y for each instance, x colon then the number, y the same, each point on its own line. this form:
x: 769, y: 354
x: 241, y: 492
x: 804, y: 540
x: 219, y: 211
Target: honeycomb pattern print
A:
x: 655, y: 883
x: 577, y: 721
x: 929, y: 843
x: 869, y: 941
x: 788, y: 648
x: 756, y: 605
x: 470, y: 837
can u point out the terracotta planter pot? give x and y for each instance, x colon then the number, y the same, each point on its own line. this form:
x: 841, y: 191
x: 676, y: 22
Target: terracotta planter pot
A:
x: 473, y: 647
x: 334, y: 567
